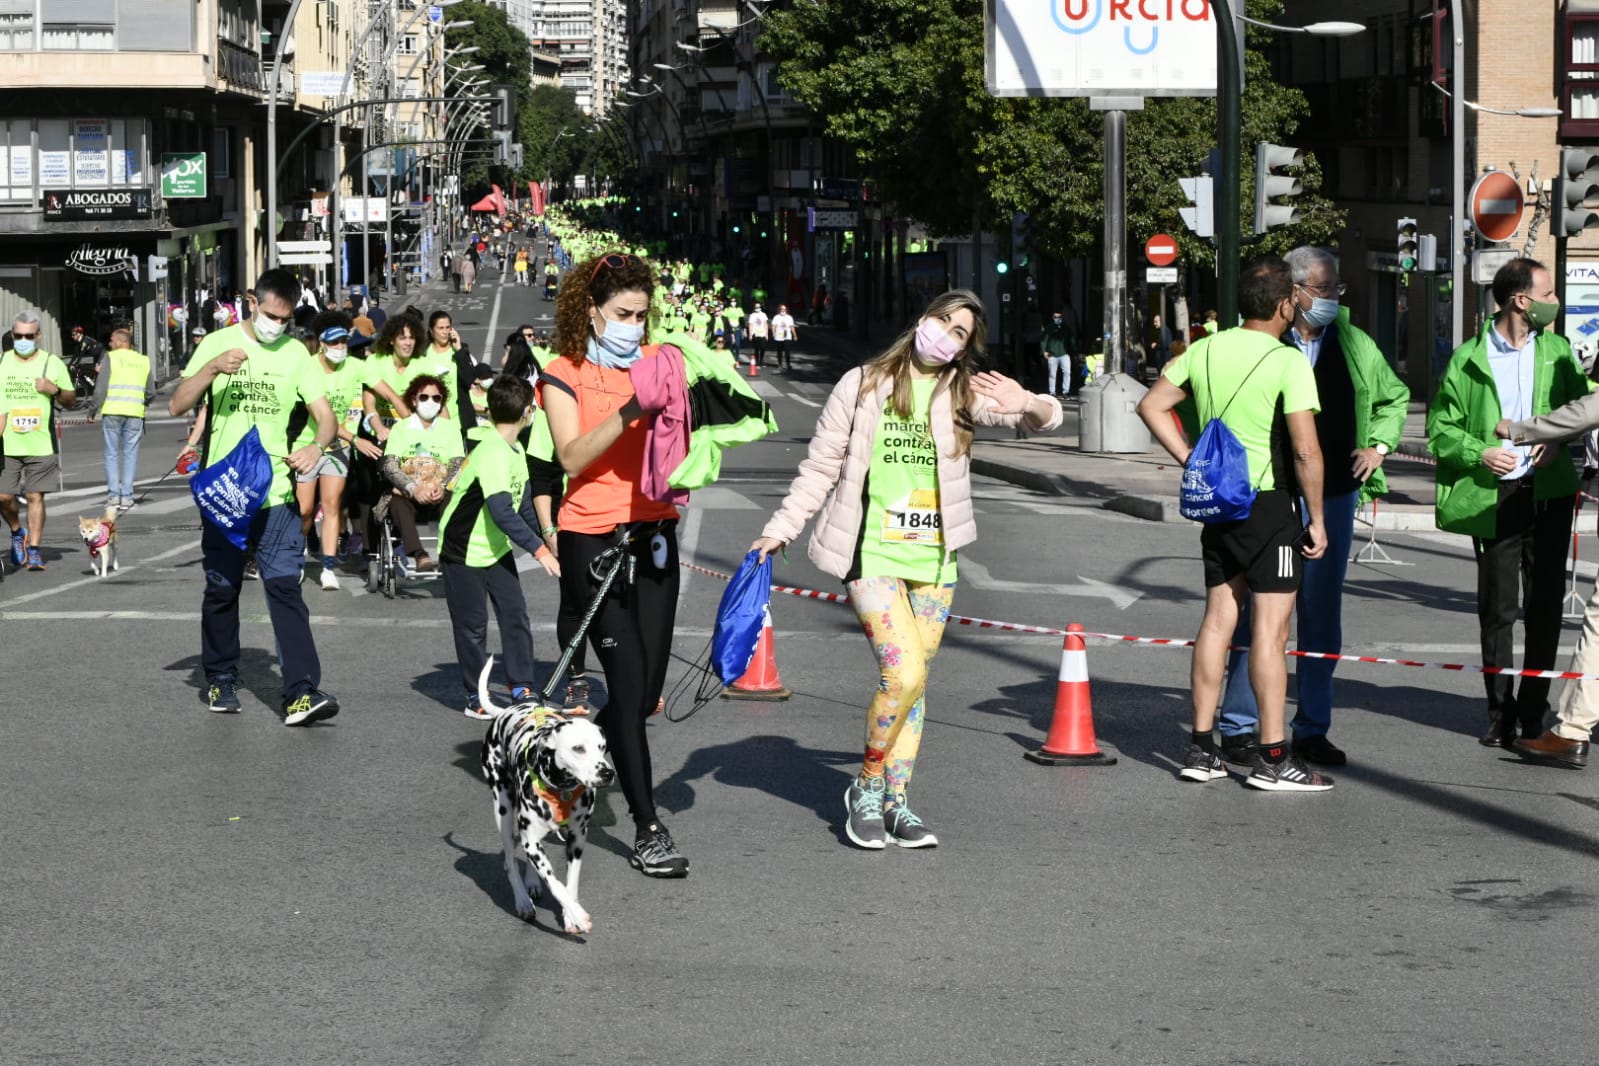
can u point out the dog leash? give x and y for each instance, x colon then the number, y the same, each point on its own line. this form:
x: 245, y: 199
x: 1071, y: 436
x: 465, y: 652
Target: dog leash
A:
x: 620, y: 557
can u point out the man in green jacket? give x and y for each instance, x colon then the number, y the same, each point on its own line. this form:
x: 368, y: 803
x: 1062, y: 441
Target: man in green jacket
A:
x: 1514, y: 501
x: 1363, y: 407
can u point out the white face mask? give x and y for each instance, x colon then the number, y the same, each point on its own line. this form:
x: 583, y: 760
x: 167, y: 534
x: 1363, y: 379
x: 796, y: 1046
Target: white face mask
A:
x: 266, y: 330
x: 428, y: 409
x: 336, y: 355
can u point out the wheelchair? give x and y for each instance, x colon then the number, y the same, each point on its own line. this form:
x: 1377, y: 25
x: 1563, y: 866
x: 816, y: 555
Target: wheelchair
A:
x: 387, y: 564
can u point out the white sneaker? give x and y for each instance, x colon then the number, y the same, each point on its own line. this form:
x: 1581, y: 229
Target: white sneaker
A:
x: 330, y: 580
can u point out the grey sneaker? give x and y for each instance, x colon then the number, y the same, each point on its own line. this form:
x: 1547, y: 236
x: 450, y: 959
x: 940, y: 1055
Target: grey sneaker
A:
x: 863, y: 803
x: 1290, y: 775
x: 907, y: 830
x: 1201, y: 765
x: 655, y: 854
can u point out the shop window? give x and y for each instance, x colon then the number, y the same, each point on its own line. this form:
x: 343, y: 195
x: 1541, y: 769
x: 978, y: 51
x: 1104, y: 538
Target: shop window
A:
x: 16, y: 161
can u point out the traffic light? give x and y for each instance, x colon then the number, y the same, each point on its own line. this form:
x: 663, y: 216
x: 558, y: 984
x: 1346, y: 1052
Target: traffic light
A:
x: 502, y: 148
x: 1021, y: 238
x: 1269, y: 158
x: 1200, y: 218
x: 1575, y: 185
x: 1002, y: 267
x: 1405, y: 239
x: 504, y: 106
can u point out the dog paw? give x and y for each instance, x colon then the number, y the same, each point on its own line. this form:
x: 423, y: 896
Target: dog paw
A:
x: 524, y: 909
x: 578, y: 921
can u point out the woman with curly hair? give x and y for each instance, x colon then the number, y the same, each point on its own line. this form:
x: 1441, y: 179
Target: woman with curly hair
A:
x: 889, y: 468
x: 599, y: 429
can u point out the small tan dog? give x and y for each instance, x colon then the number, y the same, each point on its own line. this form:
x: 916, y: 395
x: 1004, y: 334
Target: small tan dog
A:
x: 100, y: 537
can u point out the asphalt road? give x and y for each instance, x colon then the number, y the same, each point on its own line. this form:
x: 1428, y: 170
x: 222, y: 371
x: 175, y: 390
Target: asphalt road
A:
x: 185, y: 887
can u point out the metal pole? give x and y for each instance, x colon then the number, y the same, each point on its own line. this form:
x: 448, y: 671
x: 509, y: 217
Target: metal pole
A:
x: 1115, y: 240
x: 388, y: 226
x: 284, y: 32
x: 335, y: 212
x: 1229, y: 121
x: 366, y: 214
x: 1457, y: 194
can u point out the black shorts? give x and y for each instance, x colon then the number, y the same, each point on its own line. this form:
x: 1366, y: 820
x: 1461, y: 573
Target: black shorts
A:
x: 1261, y: 547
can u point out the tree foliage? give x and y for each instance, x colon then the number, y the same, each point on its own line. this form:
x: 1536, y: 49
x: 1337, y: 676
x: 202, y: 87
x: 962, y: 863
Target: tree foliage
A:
x: 901, y: 82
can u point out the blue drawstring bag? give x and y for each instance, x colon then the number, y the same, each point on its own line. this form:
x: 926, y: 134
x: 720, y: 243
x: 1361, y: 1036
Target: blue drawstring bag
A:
x: 740, y: 618
x: 1216, y: 486
x: 230, y: 491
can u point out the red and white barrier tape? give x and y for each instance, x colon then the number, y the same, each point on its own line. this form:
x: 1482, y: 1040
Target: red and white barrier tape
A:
x: 1174, y: 642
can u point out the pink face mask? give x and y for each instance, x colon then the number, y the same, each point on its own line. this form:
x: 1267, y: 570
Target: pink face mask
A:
x: 935, y: 346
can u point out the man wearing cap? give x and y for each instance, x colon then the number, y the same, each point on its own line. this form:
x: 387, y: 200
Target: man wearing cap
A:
x: 123, y: 390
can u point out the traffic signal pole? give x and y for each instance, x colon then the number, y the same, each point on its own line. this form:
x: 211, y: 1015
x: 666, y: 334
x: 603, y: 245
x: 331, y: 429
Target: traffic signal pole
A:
x: 1116, y: 108
x: 1229, y: 139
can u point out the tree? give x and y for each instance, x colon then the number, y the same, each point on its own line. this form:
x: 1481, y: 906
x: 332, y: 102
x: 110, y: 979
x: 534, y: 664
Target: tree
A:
x: 901, y: 82
x: 507, y: 58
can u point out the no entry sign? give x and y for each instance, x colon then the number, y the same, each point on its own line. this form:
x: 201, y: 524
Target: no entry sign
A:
x: 1496, y: 204
x: 1161, y: 250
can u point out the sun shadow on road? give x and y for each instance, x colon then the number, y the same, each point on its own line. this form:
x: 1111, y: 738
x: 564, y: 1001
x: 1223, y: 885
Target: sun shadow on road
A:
x: 486, y: 869
x: 806, y: 777
x: 1142, y: 722
x: 258, y: 675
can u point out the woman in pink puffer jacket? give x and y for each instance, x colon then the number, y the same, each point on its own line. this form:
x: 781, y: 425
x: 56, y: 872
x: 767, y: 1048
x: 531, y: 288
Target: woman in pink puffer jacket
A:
x: 889, y: 470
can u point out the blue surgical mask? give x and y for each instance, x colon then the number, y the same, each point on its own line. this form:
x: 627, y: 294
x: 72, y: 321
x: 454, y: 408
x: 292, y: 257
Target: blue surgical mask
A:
x: 618, y: 346
x: 23, y: 346
x: 1323, y: 312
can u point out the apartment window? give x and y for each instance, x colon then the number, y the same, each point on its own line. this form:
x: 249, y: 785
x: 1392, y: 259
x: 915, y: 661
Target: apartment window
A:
x: 155, y: 25
x: 79, y: 25
x: 1579, y: 92
x: 408, y: 45
x: 17, y: 26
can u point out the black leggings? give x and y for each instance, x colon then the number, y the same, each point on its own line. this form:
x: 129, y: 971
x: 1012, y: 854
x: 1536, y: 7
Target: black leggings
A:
x: 632, y: 635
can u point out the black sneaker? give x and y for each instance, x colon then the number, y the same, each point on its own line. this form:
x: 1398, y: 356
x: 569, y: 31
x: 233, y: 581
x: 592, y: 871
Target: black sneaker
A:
x: 863, y: 810
x: 1239, y: 749
x: 577, y: 693
x: 1201, y: 765
x: 907, y: 830
x: 222, y: 698
x: 314, y: 706
x: 1318, y: 751
x: 1290, y: 775
x: 655, y: 854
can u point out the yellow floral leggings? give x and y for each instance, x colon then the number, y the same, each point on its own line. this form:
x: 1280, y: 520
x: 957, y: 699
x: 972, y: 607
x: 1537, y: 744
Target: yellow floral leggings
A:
x: 905, y: 624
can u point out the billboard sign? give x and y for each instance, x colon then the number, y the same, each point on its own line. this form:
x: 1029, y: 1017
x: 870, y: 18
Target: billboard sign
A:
x: 1100, y: 47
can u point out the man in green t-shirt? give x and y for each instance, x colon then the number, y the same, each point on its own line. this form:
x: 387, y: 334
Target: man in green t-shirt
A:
x: 1264, y: 392
x: 32, y: 384
x: 490, y: 509
x: 253, y: 375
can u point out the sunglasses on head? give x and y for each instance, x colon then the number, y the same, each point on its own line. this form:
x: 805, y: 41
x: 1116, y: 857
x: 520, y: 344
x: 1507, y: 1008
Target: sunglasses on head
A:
x: 615, y: 260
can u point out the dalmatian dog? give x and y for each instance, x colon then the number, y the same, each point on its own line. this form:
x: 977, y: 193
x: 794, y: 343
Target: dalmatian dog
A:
x: 544, y: 769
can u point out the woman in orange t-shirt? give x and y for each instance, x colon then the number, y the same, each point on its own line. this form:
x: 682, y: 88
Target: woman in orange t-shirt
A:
x: 599, y: 432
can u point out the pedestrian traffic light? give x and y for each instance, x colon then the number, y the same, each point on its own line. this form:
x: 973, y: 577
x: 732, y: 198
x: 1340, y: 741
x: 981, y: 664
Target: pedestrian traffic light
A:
x: 1021, y: 238
x: 502, y: 148
x: 1270, y: 158
x: 504, y: 106
x: 1405, y: 239
x: 1200, y: 218
x: 1575, y: 185
x: 1002, y: 267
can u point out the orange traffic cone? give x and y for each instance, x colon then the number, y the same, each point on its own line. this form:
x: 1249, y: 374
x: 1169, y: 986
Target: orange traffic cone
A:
x: 760, y: 682
x: 1071, y: 734
x: 754, y: 371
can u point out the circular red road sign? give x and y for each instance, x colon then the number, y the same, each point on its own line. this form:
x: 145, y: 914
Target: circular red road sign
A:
x: 1496, y: 204
x: 1161, y: 250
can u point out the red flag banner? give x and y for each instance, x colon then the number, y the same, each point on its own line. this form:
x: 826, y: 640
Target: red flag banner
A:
x: 536, y: 191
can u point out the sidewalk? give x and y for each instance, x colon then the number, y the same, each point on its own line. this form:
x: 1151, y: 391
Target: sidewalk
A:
x: 1144, y: 484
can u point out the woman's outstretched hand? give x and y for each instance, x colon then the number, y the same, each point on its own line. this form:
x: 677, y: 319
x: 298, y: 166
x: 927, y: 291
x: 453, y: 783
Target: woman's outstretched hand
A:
x: 766, y: 546
x: 1007, y: 393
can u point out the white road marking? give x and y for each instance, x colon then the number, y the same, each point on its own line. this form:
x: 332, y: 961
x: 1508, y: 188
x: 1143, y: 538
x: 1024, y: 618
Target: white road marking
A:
x: 169, y: 553
x: 1121, y: 598
x: 797, y: 398
x: 494, y: 324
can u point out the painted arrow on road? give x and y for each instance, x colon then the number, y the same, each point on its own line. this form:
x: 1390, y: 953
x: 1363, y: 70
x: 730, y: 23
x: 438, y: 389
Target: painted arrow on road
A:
x: 1120, y: 598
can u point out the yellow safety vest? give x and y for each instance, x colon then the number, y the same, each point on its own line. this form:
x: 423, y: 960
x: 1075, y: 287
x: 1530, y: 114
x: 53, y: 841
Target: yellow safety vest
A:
x: 124, y: 394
